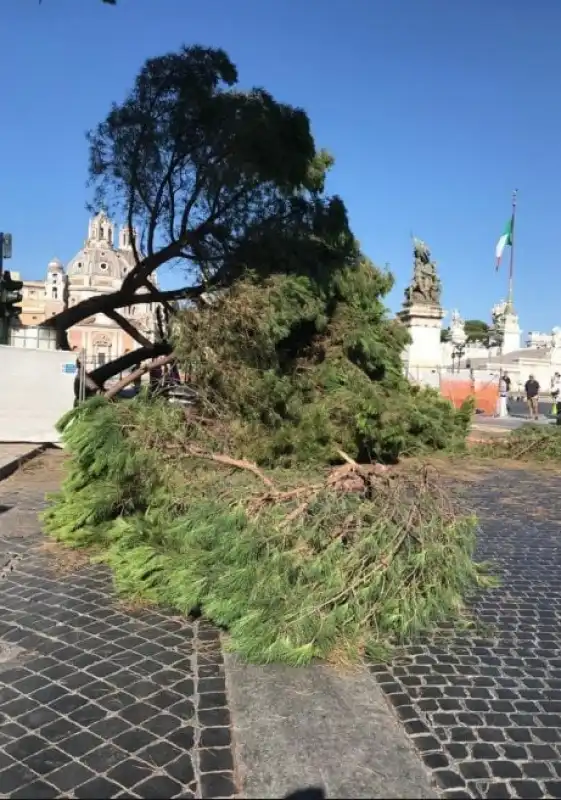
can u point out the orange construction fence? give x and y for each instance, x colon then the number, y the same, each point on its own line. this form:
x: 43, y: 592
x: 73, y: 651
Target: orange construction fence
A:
x: 457, y: 389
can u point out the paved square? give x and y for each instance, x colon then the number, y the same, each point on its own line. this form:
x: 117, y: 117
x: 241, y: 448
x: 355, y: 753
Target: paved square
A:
x: 484, y: 708
x: 95, y: 700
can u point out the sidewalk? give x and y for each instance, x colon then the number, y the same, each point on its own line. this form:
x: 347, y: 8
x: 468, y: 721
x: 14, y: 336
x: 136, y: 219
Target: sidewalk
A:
x: 101, y: 699
x: 317, y: 726
x: 13, y: 456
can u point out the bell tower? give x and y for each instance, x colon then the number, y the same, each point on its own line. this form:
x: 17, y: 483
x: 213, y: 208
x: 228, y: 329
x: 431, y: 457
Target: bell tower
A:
x: 100, y: 231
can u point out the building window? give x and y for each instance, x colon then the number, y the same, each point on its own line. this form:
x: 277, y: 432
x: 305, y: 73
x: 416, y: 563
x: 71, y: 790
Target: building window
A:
x: 79, y: 265
x: 103, y: 266
x: 55, y: 293
x: 100, y: 359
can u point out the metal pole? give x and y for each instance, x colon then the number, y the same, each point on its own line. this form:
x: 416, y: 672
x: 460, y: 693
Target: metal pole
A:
x: 82, y: 388
x: 510, y: 306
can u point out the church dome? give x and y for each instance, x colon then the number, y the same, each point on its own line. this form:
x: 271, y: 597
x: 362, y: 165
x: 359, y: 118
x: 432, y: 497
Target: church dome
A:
x: 99, y: 262
x: 55, y: 266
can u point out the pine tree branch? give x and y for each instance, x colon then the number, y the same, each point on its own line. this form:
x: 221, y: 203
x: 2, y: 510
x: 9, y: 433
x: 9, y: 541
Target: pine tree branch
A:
x: 128, y: 327
x: 138, y: 373
x: 232, y: 462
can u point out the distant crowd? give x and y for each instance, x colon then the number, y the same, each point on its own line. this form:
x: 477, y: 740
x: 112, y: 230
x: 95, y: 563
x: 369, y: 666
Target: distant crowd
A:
x: 532, y: 390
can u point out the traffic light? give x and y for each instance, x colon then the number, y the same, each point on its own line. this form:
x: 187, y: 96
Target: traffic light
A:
x: 10, y: 296
x: 6, y: 245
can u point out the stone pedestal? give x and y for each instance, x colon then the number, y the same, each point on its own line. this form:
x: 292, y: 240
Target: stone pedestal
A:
x: 510, y: 333
x: 423, y: 357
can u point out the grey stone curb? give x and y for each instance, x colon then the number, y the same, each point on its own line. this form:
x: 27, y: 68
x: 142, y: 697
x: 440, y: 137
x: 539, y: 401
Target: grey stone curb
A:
x: 9, y: 467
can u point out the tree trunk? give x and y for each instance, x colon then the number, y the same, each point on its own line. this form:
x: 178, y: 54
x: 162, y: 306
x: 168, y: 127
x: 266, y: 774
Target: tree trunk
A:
x: 102, y: 374
x: 129, y: 328
x: 104, y: 304
x: 138, y: 373
x: 125, y: 296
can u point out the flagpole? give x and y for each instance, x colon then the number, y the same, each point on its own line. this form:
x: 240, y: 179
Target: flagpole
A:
x: 510, y: 306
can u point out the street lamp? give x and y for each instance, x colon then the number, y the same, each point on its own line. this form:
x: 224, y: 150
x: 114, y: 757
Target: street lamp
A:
x: 458, y: 354
x: 458, y: 339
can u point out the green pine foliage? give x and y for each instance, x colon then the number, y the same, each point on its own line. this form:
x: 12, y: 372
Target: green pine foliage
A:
x: 316, y: 572
x: 528, y: 443
x: 299, y: 366
x: 295, y: 365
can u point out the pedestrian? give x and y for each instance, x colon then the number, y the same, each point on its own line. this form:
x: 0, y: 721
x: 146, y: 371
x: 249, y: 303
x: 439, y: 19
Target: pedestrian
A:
x: 156, y: 377
x: 77, y: 381
x: 555, y: 389
x: 503, y: 396
x: 532, y: 389
x: 82, y: 375
x: 137, y: 383
x: 508, y: 382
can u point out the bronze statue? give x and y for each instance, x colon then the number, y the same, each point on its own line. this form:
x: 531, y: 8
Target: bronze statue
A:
x: 425, y: 286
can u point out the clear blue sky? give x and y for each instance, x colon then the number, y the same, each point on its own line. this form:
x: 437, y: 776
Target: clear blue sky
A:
x: 434, y: 109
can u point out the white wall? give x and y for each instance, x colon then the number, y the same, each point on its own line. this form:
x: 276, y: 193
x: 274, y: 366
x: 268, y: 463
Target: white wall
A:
x: 34, y: 393
x: 424, y: 350
x: 423, y: 376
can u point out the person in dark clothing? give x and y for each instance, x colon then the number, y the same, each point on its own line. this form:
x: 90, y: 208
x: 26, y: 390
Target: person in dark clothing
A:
x: 507, y: 383
x: 156, y: 377
x: 174, y: 377
x: 532, y: 389
x: 77, y: 384
x: 88, y: 392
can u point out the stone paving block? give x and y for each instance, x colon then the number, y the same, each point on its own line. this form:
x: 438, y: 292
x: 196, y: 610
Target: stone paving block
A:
x: 97, y: 701
x: 484, y: 708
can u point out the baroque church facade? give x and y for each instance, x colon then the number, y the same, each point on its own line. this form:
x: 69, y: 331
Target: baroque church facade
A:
x: 99, y: 267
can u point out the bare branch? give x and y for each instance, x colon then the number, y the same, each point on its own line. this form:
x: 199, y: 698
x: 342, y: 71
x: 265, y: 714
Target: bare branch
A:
x: 138, y: 373
x: 106, y: 371
x: 128, y: 327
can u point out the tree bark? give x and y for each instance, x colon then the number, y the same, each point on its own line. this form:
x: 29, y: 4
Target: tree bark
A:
x: 125, y: 296
x: 102, y: 374
x: 129, y: 328
x: 138, y: 373
x: 102, y: 304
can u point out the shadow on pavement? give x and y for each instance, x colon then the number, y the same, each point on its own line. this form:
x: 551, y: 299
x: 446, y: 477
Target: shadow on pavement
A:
x: 309, y: 793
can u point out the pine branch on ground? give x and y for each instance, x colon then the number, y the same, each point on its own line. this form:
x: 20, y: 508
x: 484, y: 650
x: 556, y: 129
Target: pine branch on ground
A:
x: 530, y: 442
x: 296, y: 566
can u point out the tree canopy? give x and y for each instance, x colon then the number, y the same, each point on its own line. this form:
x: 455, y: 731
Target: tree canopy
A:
x: 213, y: 178
x: 295, y: 367
x: 296, y: 350
x: 477, y: 331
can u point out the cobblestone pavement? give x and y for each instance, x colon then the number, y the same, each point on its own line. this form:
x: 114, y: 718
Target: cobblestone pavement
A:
x: 484, y: 709
x: 97, y: 701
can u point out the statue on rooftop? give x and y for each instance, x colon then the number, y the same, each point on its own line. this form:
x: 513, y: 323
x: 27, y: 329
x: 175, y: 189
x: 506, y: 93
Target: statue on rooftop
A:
x: 425, y: 286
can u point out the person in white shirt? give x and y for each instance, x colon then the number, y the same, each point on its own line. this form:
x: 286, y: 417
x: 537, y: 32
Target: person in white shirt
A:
x: 504, y: 382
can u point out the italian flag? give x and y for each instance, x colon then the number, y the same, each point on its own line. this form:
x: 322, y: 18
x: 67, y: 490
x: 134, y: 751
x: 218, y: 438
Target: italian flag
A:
x: 506, y: 239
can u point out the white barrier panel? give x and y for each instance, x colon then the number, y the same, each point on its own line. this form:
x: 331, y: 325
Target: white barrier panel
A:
x: 33, y: 337
x: 36, y: 389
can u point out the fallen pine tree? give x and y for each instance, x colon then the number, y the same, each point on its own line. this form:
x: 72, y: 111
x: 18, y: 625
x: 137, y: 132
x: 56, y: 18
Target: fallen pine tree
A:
x: 271, y: 507
x: 329, y: 563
